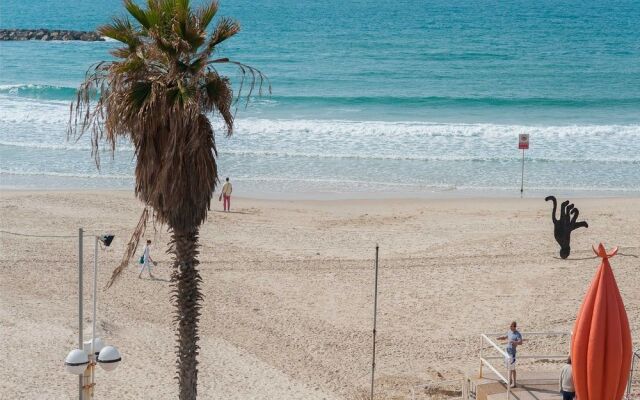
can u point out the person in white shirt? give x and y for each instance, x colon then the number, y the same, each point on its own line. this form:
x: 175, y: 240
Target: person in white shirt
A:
x: 566, y: 382
x: 514, y: 339
x: 226, y: 195
x: 146, y: 260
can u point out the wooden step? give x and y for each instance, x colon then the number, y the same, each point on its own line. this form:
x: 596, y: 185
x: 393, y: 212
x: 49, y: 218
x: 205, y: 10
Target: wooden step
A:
x: 531, y: 386
x: 525, y: 393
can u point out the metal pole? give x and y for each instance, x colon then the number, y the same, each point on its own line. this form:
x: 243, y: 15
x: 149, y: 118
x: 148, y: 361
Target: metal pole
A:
x: 522, y: 179
x: 481, y: 345
x: 634, y: 358
x: 375, y: 311
x: 95, y: 285
x: 93, y: 332
x: 80, y: 338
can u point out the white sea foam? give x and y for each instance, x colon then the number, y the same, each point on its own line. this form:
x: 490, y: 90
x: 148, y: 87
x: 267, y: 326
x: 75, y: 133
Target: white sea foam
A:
x: 54, y: 112
x: 25, y: 86
x: 271, y: 179
x: 71, y: 146
x: 250, y: 153
x: 65, y: 174
x: 64, y: 145
x: 408, y: 128
x: 45, y: 127
x: 309, y: 154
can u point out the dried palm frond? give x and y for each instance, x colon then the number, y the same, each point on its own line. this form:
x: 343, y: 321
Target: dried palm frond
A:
x: 138, y: 232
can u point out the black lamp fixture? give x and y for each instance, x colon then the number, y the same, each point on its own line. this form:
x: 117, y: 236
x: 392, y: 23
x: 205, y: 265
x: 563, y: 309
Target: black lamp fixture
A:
x: 106, y: 239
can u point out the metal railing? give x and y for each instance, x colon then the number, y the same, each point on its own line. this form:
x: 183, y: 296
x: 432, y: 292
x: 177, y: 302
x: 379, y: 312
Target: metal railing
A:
x: 631, y: 393
x: 485, y: 338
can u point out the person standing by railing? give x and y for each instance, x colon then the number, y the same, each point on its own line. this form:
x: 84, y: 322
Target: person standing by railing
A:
x: 566, y: 382
x: 514, y: 339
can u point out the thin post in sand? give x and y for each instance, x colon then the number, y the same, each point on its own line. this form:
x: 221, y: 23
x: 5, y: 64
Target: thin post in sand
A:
x: 375, y: 311
x: 522, y: 178
x: 80, y: 338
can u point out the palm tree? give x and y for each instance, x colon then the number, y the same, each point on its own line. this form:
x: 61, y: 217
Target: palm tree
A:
x: 158, y: 93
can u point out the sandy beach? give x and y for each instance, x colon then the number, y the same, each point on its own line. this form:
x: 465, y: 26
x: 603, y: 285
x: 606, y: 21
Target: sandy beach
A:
x: 288, y: 291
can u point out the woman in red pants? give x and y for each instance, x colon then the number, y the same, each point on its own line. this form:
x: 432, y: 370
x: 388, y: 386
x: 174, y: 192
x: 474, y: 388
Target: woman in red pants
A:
x: 226, y: 195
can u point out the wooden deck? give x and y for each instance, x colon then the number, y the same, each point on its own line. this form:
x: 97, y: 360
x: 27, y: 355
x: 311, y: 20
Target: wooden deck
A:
x: 531, y: 386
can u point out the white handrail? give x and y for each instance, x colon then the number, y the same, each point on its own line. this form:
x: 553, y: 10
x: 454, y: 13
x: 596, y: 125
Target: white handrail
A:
x: 563, y: 356
x: 488, y: 364
x: 532, y: 334
x: 495, y: 371
x: 492, y: 343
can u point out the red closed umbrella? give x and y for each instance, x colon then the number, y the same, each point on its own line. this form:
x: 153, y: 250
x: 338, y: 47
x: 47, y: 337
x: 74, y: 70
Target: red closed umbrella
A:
x: 601, y: 344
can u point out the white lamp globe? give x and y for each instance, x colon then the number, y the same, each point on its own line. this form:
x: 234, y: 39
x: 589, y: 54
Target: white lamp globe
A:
x: 76, y: 362
x: 109, y: 358
x: 97, y: 346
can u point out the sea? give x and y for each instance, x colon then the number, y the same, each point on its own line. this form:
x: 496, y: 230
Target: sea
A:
x: 369, y: 98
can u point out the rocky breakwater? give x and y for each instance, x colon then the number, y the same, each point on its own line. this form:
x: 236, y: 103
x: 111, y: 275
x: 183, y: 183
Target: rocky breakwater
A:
x: 48, y: 34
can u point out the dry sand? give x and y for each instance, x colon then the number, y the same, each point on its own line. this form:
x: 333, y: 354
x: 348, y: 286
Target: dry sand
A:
x: 288, y: 285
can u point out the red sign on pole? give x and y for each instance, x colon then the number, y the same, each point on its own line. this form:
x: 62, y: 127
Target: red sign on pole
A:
x: 523, y: 144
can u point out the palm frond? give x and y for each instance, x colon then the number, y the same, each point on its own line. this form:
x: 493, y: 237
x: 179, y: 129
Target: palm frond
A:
x: 257, y: 76
x: 219, y: 96
x: 197, y: 65
x: 139, y: 93
x: 153, y: 14
x: 120, y: 29
x: 225, y: 28
x: 206, y: 13
x: 132, y: 245
x: 165, y: 44
x: 121, y: 52
x: 137, y: 13
x: 86, y: 117
x: 168, y: 13
x: 186, y: 94
x: 130, y: 65
x: 183, y: 8
x: 189, y: 33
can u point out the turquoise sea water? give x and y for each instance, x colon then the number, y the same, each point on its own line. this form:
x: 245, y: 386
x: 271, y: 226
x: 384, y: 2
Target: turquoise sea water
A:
x: 368, y: 97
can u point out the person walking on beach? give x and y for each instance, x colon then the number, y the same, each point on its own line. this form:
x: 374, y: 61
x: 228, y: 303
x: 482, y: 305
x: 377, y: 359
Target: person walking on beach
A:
x: 566, y: 382
x: 146, y: 260
x: 226, y: 194
x: 514, y: 339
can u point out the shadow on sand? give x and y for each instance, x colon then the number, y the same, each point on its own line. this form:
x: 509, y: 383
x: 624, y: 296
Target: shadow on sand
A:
x: 153, y: 278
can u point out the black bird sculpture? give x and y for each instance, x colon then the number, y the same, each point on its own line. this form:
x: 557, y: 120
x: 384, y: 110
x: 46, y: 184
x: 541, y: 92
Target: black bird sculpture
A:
x: 563, y: 227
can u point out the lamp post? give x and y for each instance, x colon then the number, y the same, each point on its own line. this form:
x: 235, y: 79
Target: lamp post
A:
x: 82, y: 361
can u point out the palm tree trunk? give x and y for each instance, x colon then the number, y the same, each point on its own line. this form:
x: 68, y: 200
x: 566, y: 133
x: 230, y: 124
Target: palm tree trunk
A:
x: 187, y: 299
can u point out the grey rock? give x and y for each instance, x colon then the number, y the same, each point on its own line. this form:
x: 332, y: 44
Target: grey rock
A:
x: 48, y: 34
